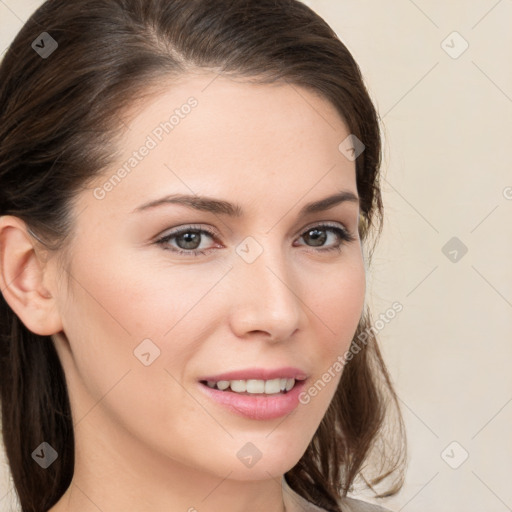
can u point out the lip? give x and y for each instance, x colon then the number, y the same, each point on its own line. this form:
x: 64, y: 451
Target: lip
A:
x: 288, y: 372
x: 257, y: 407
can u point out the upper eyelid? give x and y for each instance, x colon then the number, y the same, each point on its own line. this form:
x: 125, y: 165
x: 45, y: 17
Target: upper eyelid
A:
x: 214, y: 232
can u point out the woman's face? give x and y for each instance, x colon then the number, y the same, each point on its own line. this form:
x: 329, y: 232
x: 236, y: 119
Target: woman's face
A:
x: 144, y: 324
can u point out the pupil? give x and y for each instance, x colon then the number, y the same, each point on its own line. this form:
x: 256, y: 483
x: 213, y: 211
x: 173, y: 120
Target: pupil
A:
x: 322, y: 237
x: 189, y: 238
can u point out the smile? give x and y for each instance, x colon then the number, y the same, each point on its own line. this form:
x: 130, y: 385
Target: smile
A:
x: 281, y: 399
x: 253, y: 386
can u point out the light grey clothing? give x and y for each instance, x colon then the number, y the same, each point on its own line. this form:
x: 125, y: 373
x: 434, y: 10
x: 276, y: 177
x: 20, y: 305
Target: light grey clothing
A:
x: 296, y: 503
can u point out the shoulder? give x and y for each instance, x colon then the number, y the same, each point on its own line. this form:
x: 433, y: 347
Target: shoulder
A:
x: 353, y: 505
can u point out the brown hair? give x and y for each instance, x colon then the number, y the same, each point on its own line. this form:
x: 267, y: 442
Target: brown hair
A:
x: 58, y: 118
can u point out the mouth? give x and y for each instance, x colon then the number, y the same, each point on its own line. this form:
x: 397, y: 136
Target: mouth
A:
x: 254, y: 387
x: 253, y: 398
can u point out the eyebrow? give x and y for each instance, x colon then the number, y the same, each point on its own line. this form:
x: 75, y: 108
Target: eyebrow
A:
x: 221, y: 207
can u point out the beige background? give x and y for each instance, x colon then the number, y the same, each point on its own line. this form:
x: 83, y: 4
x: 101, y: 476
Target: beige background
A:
x: 447, y: 173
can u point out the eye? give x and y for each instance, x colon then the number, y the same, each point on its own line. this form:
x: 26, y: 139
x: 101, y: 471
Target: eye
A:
x: 188, y: 239
x: 317, y: 236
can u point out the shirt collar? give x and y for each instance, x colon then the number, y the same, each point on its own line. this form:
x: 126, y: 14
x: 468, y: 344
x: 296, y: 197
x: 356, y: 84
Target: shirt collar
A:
x: 293, y: 502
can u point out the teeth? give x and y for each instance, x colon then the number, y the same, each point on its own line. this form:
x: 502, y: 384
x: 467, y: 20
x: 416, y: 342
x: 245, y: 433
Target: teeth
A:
x: 289, y: 384
x: 269, y: 387
x: 223, y: 384
x: 239, y: 386
x: 272, y: 386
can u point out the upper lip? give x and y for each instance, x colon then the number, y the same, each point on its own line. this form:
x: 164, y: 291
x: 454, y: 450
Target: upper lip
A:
x: 288, y: 372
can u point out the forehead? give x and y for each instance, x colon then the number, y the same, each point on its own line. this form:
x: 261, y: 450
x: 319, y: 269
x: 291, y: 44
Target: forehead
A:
x: 205, y: 132
x: 235, y: 113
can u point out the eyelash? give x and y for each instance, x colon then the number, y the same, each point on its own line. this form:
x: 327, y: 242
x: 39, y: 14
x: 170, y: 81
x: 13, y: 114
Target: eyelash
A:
x: 342, y: 233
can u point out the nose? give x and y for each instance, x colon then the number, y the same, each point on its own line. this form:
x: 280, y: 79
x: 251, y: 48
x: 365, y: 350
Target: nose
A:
x: 265, y: 297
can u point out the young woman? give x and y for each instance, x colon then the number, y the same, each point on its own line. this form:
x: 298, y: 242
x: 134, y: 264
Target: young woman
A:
x: 188, y: 190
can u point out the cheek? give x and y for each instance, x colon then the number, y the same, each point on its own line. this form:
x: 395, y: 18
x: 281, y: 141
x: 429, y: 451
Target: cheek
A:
x: 135, y: 300
x: 112, y: 313
x: 337, y: 299
x: 337, y: 305
x: 121, y: 317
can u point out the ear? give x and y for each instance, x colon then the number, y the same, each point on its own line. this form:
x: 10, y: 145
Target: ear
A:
x: 22, y: 276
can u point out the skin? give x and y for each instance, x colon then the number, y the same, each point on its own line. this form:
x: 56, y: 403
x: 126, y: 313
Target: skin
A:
x: 147, y: 438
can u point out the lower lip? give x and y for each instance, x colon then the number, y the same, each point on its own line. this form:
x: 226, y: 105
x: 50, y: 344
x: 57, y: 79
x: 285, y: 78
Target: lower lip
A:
x: 257, y: 407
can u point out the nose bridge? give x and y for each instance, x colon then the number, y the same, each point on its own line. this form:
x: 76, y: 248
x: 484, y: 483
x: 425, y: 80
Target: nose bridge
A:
x: 268, y: 299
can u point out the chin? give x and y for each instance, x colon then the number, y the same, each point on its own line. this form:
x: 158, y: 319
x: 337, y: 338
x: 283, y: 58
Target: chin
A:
x: 263, y: 460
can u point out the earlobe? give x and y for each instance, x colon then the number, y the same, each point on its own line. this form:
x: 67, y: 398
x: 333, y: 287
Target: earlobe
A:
x: 22, y: 279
